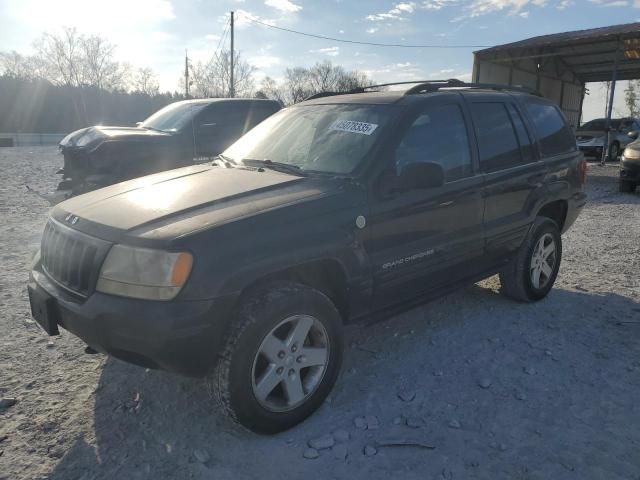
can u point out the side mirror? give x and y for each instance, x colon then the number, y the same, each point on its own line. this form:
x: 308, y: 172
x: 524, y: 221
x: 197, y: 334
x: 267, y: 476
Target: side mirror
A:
x: 138, y: 124
x: 421, y: 175
x: 633, y: 134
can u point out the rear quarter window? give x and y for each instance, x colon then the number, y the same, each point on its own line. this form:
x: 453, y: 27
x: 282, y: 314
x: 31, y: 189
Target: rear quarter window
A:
x: 554, y: 135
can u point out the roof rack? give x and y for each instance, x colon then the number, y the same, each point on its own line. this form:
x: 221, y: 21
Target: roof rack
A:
x: 428, y: 86
x: 435, y: 85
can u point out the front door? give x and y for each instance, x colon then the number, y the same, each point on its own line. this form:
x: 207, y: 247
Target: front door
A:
x: 422, y: 239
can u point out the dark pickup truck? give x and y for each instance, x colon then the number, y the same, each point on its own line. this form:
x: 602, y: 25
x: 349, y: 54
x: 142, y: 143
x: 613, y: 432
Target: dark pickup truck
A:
x: 175, y: 136
x: 329, y: 211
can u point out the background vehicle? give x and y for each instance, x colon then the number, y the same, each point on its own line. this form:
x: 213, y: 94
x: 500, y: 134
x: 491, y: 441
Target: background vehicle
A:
x: 328, y: 211
x: 591, y: 136
x: 175, y: 136
x: 630, y: 168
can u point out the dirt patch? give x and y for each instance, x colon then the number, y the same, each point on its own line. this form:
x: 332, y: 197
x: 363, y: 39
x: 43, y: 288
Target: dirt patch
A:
x: 498, y: 389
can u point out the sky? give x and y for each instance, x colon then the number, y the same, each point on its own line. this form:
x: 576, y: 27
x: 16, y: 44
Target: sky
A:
x: 155, y: 33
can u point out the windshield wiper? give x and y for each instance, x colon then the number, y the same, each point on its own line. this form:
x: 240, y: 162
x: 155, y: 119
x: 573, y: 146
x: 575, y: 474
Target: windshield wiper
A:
x: 278, y: 166
x: 153, y: 128
x: 226, y: 160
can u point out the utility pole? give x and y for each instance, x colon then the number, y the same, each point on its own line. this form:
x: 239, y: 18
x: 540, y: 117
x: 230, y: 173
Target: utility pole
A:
x: 232, y: 92
x: 186, y: 74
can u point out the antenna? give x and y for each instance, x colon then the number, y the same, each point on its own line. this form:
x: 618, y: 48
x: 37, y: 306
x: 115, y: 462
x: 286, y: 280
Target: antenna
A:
x: 232, y: 92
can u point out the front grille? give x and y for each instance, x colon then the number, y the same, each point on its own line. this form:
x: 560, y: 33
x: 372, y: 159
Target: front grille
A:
x: 70, y: 258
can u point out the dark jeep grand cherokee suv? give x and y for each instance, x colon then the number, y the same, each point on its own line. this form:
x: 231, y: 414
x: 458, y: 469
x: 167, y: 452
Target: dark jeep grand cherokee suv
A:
x: 326, y: 212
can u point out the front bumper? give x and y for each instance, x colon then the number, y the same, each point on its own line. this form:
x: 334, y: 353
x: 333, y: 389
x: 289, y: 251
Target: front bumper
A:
x: 630, y: 170
x: 182, y: 337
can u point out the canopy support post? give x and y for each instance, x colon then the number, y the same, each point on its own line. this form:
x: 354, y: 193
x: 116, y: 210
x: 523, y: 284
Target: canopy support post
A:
x: 612, y: 91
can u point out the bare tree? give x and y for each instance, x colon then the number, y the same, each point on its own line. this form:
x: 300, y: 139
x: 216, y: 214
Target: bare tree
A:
x: 300, y: 82
x: 631, y: 98
x: 270, y: 89
x: 98, y: 65
x: 145, y: 82
x: 212, y: 79
x: 296, y: 85
x: 63, y: 56
x: 74, y: 59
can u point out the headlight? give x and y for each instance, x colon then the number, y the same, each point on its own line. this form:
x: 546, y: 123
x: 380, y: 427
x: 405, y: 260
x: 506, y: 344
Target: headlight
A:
x: 144, y: 273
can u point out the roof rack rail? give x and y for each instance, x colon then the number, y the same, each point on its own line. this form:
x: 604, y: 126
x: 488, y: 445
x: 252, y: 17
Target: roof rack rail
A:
x: 435, y: 85
x: 427, y: 86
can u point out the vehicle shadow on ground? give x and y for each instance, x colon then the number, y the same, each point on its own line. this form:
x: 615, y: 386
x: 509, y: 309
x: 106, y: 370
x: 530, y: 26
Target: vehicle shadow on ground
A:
x: 150, y: 424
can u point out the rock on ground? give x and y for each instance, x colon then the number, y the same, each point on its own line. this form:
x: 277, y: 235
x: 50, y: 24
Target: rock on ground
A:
x: 73, y: 418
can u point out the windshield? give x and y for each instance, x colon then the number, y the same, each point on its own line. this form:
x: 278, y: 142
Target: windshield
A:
x: 173, y: 117
x: 320, y: 138
x: 599, y: 124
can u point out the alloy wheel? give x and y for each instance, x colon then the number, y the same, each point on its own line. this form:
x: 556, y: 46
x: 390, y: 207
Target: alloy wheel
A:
x: 543, y: 261
x: 290, y: 363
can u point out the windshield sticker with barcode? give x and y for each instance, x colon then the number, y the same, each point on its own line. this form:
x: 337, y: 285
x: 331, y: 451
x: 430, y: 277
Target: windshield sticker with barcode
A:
x: 354, y: 127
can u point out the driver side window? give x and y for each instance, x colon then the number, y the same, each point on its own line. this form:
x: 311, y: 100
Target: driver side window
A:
x: 437, y: 135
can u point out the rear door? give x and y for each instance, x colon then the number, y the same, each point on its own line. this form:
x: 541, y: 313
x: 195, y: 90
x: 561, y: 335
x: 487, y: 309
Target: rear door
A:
x: 422, y: 239
x: 513, y: 174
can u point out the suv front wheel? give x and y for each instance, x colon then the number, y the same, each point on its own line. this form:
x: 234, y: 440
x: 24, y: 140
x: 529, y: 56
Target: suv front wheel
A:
x: 281, y: 358
x: 533, y: 271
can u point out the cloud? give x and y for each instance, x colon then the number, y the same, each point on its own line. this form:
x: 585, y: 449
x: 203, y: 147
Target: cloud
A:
x: 524, y: 14
x: 100, y: 17
x: 565, y: 4
x: 264, y: 61
x: 285, y: 6
x: 438, y: 4
x: 243, y: 18
x: 329, y: 51
x: 398, y: 12
x: 372, y: 30
x: 612, y: 3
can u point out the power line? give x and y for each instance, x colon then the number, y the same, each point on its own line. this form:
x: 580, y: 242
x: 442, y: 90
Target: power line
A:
x: 374, y: 44
x: 218, y: 50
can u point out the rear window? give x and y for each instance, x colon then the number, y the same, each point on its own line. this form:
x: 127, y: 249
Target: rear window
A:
x: 554, y: 135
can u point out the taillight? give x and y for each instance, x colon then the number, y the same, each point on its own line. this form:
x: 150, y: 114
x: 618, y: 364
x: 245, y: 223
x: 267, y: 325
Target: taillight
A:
x: 582, y: 171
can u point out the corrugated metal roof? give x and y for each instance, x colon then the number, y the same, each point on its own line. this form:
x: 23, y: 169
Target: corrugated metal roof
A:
x: 589, y: 54
x: 627, y: 30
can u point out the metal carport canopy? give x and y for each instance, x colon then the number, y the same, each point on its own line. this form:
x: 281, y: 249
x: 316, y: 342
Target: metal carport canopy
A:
x: 559, y: 65
x: 589, y: 54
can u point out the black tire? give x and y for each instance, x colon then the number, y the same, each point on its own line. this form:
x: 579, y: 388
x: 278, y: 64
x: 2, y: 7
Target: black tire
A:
x: 626, y: 186
x: 516, y: 277
x: 261, y: 312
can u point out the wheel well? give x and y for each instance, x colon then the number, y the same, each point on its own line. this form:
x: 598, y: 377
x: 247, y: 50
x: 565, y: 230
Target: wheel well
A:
x: 556, y: 211
x: 327, y: 276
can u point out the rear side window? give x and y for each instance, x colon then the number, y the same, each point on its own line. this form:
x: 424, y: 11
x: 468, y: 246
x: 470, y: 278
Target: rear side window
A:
x: 554, y: 135
x: 437, y: 135
x: 497, y: 140
x: 526, y: 147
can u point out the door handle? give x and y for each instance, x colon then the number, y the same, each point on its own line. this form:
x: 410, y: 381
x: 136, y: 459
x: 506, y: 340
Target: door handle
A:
x: 446, y: 204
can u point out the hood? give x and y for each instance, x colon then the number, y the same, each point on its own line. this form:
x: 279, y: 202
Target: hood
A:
x: 146, y: 204
x: 93, y: 136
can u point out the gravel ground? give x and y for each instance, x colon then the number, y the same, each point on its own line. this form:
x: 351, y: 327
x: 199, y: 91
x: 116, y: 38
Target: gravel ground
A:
x: 476, y: 386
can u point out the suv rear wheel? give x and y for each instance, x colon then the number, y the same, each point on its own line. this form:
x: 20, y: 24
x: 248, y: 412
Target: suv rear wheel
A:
x: 533, y: 271
x: 281, y: 359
